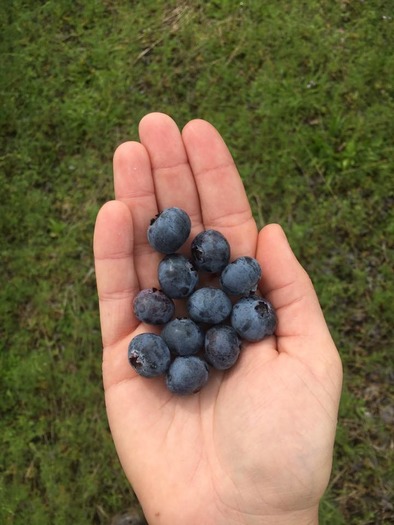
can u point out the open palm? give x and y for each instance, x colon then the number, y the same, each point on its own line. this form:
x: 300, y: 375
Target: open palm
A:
x: 255, y: 444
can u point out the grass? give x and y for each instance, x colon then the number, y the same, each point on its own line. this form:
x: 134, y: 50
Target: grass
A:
x: 303, y: 94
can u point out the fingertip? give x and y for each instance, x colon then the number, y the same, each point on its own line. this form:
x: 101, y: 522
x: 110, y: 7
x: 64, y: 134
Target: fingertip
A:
x: 121, y: 148
x: 207, y: 150
x: 155, y: 119
x: 194, y: 124
x: 113, y: 228
x: 161, y: 137
x: 132, y: 171
x: 279, y: 264
x: 200, y: 130
x: 111, y: 210
x: 276, y: 232
x: 126, y: 150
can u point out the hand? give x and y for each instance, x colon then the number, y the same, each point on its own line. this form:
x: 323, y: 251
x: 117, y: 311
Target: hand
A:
x: 255, y: 445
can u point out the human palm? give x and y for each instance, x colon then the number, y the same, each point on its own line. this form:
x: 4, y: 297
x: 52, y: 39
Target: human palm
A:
x: 255, y: 444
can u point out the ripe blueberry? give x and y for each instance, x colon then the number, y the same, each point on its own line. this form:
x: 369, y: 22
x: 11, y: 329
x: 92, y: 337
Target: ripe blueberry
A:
x: 241, y: 276
x: 153, y: 306
x: 210, y: 251
x: 253, y: 318
x: 187, y: 375
x: 149, y: 355
x: 169, y: 230
x: 222, y: 346
x: 209, y: 305
x: 183, y: 336
x: 177, y: 276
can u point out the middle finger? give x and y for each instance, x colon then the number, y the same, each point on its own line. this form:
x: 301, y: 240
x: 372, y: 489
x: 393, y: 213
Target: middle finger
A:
x: 172, y: 175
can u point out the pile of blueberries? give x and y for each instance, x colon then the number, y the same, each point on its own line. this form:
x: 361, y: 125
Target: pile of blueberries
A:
x: 218, y: 318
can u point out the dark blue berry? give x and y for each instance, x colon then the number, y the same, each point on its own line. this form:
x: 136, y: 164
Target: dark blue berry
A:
x: 222, y: 346
x: 183, y: 336
x: 152, y: 306
x: 169, y: 230
x: 187, y: 375
x: 177, y: 276
x: 253, y: 318
x: 149, y: 355
x: 209, y: 305
x: 210, y: 251
x: 241, y: 276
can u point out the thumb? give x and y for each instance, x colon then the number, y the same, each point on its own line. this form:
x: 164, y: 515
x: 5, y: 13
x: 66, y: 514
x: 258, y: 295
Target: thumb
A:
x: 302, y: 330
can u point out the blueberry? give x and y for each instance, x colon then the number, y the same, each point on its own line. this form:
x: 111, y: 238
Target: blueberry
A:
x: 169, y: 230
x: 241, y: 276
x: 253, y: 318
x: 177, y: 276
x: 149, y: 355
x: 153, y: 306
x: 209, y: 305
x: 210, y: 251
x: 187, y: 375
x: 222, y: 347
x: 183, y: 336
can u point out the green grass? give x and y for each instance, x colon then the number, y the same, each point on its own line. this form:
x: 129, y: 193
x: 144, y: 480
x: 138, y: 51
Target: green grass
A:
x: 303, y: 94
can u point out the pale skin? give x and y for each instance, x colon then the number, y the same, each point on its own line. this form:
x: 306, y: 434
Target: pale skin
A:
x: 255, y: 445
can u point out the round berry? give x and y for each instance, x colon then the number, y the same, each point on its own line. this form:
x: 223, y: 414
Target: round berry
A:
x: 210, y: 251
x: 241, y: 276
x: 253, y: 318
x: 152, y: 306
x: 222, y: 347
x: 183, y: 336
x: 169, y: 230
x: 177, y: 276
x: 149, y: 355
x: 187, y: 375
x: 209, y: 305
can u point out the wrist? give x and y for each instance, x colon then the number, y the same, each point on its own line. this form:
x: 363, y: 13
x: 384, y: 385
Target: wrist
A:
x: 299, y: 517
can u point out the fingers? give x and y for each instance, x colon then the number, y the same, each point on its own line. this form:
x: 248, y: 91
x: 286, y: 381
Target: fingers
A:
x: 302, y: 330
x: 173, y: 179
x: 117, y: 282
x: 194, y: 171
x: 223, y: 201
x: 134, y: 186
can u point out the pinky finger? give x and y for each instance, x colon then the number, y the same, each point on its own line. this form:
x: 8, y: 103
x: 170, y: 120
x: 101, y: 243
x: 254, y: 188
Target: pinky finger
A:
x: 117, y: 282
